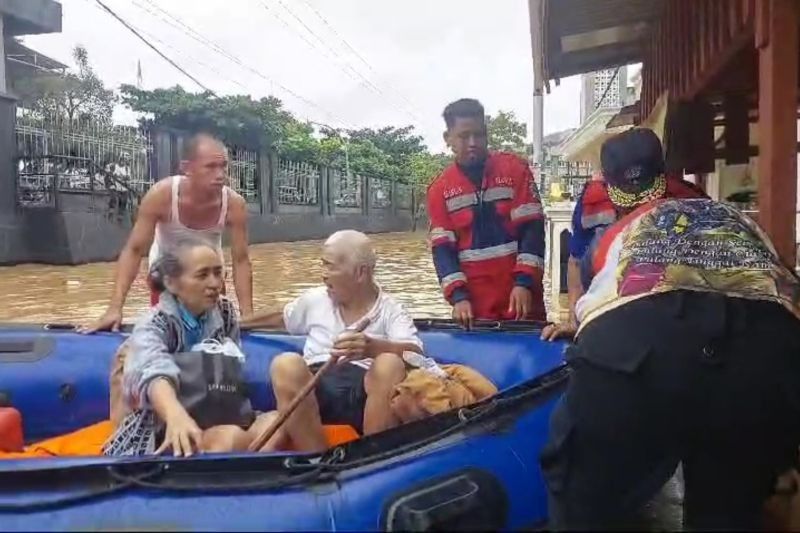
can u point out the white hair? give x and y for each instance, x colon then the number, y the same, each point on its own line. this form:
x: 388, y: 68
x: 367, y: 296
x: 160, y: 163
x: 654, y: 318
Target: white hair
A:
x: 355, y: 246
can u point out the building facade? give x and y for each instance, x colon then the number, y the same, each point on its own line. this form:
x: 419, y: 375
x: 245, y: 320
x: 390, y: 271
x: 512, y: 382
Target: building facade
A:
x: 607, y: 89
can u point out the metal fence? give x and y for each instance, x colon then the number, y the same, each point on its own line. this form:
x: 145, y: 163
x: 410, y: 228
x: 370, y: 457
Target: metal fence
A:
x: 346, y: 189
x: 58, y: 154
x: 243, y: 172
x: 380, y: 190
x: 298, y: 183
x: 573, y: 185
x: 78, y: 154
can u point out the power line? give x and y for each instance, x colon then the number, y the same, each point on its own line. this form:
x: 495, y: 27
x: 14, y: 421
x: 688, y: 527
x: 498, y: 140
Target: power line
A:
x: 305, y: 39
x: 209, y: 43
x: 195, y: 35
x: 149, y: 44
x: 364, y: 80
x: 336, y: 33
x: 351, y: 48
x: 212, y: 68
x: 326, y: 45
x: 200, y: 62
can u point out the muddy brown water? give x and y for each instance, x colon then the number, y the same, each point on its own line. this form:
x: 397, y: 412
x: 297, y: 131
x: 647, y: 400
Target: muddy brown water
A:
x: 281, y: 271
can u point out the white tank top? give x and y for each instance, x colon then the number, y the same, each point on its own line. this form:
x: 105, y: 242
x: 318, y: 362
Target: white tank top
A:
x: 169, y: 234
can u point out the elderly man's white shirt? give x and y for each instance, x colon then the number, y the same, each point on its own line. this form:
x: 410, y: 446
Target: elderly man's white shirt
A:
x: 315, y: 315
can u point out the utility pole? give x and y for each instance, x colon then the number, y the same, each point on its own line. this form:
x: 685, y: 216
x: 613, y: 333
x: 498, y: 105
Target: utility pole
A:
x: 346, y: 157
x: 536, y: 12
x: 538, y: 136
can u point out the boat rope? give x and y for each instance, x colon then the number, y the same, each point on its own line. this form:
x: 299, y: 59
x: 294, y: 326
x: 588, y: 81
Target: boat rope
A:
x: 522, y: 326
x: 44, y: 505
x: 260, y: 485
x: 422, y: 324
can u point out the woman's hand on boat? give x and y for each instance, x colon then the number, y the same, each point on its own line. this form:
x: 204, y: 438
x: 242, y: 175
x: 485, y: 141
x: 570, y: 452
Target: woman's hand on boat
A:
x: 462, y: 313
x: 110, y: 321
x: 182, y: 435
x: 351, y: 345
x: 565, y: 330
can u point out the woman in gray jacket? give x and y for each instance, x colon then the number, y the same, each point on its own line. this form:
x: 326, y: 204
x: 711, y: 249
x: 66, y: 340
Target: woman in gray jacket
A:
x: 179, y: 397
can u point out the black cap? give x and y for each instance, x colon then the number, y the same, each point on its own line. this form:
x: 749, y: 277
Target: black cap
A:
x: 632, y: 160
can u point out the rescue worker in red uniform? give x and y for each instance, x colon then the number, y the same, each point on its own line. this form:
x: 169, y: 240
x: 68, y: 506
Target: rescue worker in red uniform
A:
x: 605, y: 200
x: 487, y: 226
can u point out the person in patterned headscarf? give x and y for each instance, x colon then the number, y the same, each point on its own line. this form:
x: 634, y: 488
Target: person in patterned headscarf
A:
x: 632, y: 175
x: 686, y: 352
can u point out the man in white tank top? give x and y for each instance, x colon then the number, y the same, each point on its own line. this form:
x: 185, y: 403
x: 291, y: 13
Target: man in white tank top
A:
x: 197, y: 205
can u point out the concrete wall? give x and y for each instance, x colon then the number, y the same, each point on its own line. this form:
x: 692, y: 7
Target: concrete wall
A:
x: 78, y: 233
x: 559, y: 220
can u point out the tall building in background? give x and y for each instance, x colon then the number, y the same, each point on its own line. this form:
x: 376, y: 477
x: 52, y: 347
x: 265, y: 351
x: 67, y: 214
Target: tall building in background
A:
x: 596, y: 84
x: 603, y: 94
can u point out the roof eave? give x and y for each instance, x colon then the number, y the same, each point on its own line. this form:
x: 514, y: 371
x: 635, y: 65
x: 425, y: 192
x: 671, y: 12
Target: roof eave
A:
x: 586, y: 45
x: 29, y: 17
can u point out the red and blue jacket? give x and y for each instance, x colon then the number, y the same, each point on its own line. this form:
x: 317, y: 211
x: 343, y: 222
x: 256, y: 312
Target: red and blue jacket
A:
x: 482, y: 232
x: 595, y: 211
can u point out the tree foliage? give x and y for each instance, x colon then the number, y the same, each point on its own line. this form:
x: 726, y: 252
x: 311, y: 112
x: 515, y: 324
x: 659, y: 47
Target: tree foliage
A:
x: 425, y: 167
x: 389, y: 152
x: 298, y: 142
x: 237, y: 119
x: 264, y: 123
x: 398, y: 144
x: 507, y: 134
x: 75, y: 95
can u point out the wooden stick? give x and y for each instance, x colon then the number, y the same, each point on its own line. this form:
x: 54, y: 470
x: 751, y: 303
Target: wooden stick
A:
x: 267, y: 434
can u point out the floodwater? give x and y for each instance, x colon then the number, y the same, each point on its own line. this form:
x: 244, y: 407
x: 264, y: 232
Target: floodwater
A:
x: 281, y: 271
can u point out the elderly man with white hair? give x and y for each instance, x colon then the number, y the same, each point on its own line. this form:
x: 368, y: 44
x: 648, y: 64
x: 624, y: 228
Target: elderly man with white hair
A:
x: 358, y: 390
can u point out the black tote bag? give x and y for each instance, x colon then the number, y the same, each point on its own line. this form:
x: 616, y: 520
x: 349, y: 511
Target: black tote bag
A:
x: 212, y: 389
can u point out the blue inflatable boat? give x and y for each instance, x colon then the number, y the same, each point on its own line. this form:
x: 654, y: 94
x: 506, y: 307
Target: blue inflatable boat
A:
x: 474, y: 468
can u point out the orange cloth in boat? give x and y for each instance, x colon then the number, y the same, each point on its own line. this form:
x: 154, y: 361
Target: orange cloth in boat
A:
x: 88, y: 442
x: 462, y: 386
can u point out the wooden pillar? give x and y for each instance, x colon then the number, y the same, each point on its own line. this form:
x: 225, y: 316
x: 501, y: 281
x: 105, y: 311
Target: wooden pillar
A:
x: 777, y: 39
x: 737, y: 129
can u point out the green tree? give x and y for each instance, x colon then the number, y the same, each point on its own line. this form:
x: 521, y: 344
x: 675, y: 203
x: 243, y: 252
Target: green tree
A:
x: 507, y: 134
x: 80, y: 94
x: 425, y: 167
x: 237, y: 119
x: 385, y: 153
x: 298, y: 142
x: 398, y: 144
x: 332, y: 149
x: 368, y: 160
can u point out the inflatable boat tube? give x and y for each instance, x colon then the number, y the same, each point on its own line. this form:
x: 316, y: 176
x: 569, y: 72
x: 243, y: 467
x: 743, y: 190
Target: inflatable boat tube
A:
x: 472, y: 468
